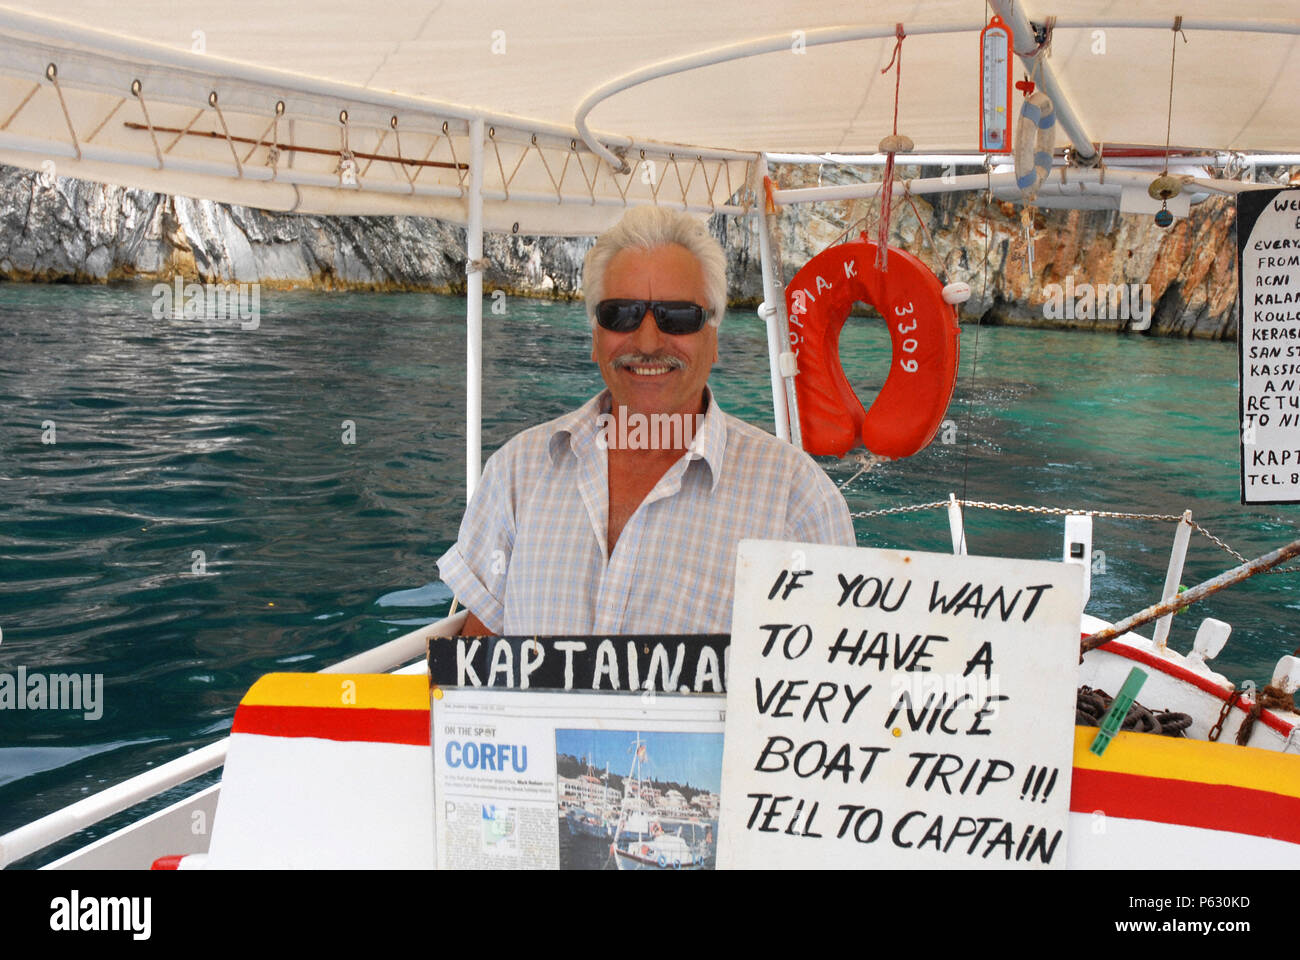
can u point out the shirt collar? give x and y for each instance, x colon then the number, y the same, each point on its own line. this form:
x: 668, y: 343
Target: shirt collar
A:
x: 578, y: 432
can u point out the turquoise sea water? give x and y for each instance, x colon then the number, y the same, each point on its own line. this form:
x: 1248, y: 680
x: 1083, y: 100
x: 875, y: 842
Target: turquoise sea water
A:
x: 182, y: 441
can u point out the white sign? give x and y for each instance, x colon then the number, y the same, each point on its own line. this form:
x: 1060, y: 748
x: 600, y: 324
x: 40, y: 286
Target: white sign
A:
x: 1268, y: 232
x: 898, y: 709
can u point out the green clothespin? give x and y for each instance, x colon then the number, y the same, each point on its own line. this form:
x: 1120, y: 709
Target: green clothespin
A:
x: 1114, y: 718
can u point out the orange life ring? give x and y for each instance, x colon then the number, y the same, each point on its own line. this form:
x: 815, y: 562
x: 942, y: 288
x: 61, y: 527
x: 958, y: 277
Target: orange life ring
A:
x: 922, y: 372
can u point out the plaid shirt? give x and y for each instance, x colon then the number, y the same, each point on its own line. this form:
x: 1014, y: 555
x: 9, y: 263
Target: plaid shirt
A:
x: 531, y: 556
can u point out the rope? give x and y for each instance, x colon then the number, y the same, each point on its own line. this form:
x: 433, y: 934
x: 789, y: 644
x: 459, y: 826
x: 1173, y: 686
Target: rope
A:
x: 1173, y: 56
x: 186, y: 129
x: 383, y: 135
x: 866, y: 462
x: 505, y: 184
x: 347, y: 159
x: 451, y: 145
x: 137, y: 90
x: 690, y: 178
x: 713, y: 206
x: 18, y: 108
x: 677, y: 172
x: 547, y: 167
x: 239, y: 167
x: 1270, y: 698
x: 52, y: 72
x: 907, y: 195
x: 582, y: 168
x: 979, y: 322
x: 401, y: 164
x: 273, y: 154
x: 261, y: 139
x: 887, y: 188
x: 419, y: 168
x: 1091, y: 706
x: 95, y: 132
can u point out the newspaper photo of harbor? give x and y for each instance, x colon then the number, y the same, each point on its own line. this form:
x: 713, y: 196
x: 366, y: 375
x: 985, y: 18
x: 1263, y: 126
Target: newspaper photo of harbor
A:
x: 630, y: 800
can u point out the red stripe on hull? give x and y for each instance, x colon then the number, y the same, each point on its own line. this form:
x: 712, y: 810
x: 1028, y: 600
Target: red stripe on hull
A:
x: 1187, y: 803
x: 1187, y: 676
x: 335, y: 723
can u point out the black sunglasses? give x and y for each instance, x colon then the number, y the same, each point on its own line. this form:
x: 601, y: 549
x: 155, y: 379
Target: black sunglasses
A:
x: 675, y: 317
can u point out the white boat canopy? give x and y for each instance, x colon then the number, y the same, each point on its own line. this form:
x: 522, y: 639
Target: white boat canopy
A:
x: 370, y: 108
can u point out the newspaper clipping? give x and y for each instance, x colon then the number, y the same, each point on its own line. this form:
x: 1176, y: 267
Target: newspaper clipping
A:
x: 579, y: 779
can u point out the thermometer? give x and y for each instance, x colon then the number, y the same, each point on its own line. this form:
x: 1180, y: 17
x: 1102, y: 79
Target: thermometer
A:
x: 995, y: 87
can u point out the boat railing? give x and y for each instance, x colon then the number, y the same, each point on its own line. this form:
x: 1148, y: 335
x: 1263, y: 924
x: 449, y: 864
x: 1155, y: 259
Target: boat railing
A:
x: 39, y: 834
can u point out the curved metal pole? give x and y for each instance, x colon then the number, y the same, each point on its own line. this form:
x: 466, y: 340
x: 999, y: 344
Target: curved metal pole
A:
x: 825, y: 35
x: 732, y: 51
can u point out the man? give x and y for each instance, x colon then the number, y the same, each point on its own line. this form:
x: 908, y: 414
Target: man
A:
x: 625, y: 515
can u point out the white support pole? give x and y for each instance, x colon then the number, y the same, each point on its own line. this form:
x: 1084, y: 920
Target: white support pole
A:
x: 956, y: 526
x: 785, y: 403
x: 1078, y: 548
x: 768, y: 310
x: 474, y: 313
x: 1172, y: 577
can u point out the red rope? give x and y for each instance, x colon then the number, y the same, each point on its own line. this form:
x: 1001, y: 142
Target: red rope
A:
x: 887, y: 188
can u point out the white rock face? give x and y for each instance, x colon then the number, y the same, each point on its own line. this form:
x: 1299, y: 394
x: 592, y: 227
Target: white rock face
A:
x: 71, y: 230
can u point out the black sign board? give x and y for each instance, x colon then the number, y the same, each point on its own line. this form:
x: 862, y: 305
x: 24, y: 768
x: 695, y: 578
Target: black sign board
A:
x: 659, y: 663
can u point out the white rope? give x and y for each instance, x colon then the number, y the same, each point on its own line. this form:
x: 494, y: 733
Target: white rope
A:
x: 95, y: 132
x: 505, y: 184
x: 401, y: 164
x: 177, y: 139
x: 383, y: 135
x: 18, y: 108
x: 672, y: 159
x: 460, y: 174
x: 713, y: 207
x: 261, y: 140
x: 273, y: 152
x: 627, y: 181
x: 137, y: 90
x: 589, y: 181
x: 690, y: 178
x: 547, y: 167
x: 53, y: 74
x: 347, y: 160
x: 867, y: 461
x: 239, y: 167
x: 428, y: 153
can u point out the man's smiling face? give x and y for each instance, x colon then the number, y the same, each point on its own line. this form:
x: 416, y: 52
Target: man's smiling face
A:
x: 649, y: 371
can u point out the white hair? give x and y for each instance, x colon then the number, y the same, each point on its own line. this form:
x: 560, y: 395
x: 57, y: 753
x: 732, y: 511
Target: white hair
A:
x: 645, y: 228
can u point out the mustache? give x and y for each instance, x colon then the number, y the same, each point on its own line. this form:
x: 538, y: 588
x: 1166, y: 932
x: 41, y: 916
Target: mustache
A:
x: 648, y: 359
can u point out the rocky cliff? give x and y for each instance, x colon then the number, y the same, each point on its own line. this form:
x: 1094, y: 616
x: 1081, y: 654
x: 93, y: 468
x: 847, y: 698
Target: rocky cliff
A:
x: 64, y: 230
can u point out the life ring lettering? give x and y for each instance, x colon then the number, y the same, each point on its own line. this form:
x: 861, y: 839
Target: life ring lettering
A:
x: 923, y: 369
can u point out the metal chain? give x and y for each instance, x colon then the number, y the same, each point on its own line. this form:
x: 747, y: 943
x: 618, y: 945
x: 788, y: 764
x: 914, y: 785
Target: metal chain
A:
x: 1062, y: 511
